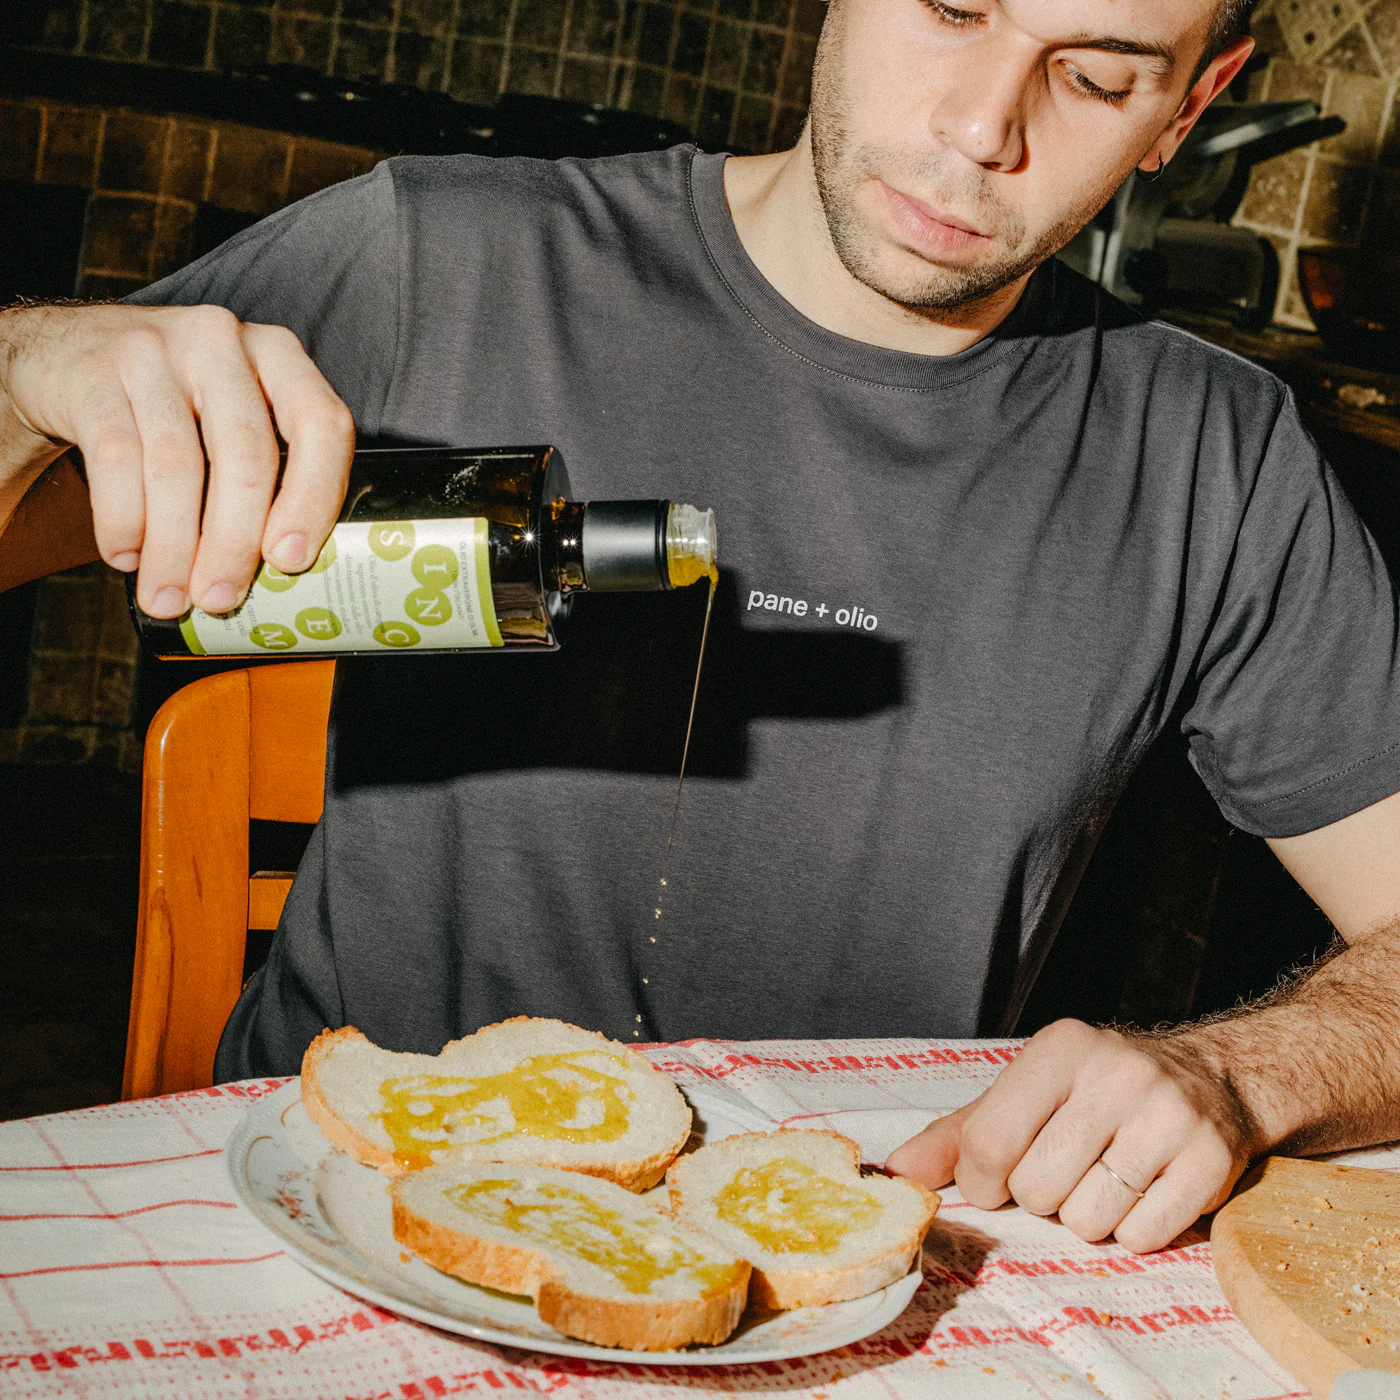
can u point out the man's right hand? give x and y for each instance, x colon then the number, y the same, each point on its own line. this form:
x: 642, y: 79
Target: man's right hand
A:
x: 146, y: 393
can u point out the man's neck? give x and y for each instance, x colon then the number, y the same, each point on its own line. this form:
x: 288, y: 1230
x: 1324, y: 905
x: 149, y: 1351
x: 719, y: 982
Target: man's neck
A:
x: 779, y: 218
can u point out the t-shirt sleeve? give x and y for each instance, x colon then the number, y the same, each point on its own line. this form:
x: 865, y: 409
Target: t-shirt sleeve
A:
x: 1295, y: 719
x: 327, y: 268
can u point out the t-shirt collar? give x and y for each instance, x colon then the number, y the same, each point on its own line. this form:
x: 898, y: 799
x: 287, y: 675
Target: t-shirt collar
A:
x: 876, y: 364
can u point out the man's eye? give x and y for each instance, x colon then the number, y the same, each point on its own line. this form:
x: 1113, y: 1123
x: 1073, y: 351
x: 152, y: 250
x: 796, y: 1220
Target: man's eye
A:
x: 1085, y: 84
x: 949, y: 15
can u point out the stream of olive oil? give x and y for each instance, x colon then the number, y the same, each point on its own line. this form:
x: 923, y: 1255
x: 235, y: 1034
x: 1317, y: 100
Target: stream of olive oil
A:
x: 685, y: 756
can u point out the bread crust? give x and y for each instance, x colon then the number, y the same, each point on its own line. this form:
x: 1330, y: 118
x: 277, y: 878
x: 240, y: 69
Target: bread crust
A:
x: 633, y: 1173
x: 644, y: 1325
x: 783, y: 1289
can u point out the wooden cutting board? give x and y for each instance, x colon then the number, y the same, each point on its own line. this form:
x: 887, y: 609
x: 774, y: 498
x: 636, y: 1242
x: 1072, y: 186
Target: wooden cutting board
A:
x: 1309, y: 1256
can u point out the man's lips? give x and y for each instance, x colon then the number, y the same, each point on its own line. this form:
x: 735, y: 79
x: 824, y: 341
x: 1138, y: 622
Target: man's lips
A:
x: 929, y: 229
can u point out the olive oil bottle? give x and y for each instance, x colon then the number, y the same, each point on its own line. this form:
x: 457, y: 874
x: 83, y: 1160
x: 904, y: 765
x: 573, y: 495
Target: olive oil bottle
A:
x: 447, y: 549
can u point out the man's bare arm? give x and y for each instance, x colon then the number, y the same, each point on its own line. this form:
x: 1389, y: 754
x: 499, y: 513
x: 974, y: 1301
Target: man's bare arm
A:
x: 1318, y: 1061
x: 1315, y: 1066
x: 1137, y: 1135
x: 177, y: 412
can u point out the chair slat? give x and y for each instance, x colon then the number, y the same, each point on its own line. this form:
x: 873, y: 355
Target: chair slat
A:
x: 230, y: 747
x: 192, y: 926
x: 267, y: 893
x: 290, y: 707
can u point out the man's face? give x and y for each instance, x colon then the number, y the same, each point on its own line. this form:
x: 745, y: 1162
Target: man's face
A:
x: 956, y: 147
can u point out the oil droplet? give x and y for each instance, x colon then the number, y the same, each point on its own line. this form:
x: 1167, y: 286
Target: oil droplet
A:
x: 663, y: 879
x: 639, y: 1018
x: 653, y: 940
x: 646, y: 981
x: 656, y: 913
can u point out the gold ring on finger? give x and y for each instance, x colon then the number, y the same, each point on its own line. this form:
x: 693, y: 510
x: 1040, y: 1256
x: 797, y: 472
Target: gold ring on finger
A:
x: 1125, y: 1185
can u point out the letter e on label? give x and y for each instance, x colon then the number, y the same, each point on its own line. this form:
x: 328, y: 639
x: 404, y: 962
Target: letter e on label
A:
x: 799, y: 608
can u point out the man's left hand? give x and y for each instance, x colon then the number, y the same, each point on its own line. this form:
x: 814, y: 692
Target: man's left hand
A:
x: 1081, y: 1122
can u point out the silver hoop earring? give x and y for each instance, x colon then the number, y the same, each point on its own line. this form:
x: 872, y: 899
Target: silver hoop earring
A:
x: 1150, y: 177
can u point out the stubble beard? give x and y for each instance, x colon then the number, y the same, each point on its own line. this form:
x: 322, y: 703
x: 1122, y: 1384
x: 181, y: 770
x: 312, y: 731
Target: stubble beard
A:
x: 843, y: 167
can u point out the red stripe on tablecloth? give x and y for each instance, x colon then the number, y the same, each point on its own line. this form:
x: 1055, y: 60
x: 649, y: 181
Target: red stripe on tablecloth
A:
x: 107, y: 1166
x: 140, y: 1264
x: 120, y: 1214
x: 836, y: 1063
x: 180, y: 1349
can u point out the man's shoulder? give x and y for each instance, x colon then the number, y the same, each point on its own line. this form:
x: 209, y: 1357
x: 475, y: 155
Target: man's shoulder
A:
x: 1169, y: 357
x: 443, y: 187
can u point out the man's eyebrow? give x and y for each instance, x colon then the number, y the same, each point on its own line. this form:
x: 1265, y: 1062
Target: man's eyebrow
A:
x: 1162, y: 56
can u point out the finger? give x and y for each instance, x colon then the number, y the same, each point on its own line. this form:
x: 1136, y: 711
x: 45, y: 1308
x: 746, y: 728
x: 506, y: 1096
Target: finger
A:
x: 1141, y: 1150
x: 1063, y: 1151
x: 1012, y: 1112
x: 320, y: 436
x: 172, y: 477
x: 1109, y: 1091
x: 105, y: 432
x: 242, y: 452
x: 1197, y: 1180
x: 931, y: 1156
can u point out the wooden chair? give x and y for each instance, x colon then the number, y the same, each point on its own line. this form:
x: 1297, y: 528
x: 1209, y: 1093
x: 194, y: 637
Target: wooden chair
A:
x: 230, y: 748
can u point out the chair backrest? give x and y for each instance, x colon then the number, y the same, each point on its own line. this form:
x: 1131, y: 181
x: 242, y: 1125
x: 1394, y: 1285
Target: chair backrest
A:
x: 230, y: 748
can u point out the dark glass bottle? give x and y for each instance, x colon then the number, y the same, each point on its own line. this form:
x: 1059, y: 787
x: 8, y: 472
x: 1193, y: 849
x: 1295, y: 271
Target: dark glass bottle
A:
x: 446, y: 549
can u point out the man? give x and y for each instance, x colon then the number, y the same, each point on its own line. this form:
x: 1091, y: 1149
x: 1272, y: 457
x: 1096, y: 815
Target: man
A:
x: 1069, y: 528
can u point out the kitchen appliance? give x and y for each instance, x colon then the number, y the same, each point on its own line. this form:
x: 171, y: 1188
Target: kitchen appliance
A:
x: 1168, y: 242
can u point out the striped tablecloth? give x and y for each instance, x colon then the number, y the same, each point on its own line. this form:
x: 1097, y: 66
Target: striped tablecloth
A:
x: 126, y: 1269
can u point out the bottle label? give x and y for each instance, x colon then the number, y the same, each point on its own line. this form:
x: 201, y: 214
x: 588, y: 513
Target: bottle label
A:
x: 384, y: 585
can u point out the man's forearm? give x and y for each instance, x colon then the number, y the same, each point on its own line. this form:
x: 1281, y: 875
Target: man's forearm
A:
x: 1314, y: 1066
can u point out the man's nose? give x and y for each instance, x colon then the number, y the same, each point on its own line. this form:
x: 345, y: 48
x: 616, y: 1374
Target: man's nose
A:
x: 981, y: 115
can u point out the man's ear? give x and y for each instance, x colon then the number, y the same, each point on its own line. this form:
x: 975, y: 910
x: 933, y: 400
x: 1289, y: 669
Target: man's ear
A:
x: 1218, y: 75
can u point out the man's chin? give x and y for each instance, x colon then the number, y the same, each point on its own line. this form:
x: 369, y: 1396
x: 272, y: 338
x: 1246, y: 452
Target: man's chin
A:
x: 919, y: 284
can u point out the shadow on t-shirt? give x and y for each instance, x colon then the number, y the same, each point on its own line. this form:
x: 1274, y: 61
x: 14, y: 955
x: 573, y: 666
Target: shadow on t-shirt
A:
x: 614, y: 698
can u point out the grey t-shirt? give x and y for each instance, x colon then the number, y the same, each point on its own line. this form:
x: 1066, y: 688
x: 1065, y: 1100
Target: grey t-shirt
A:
x: 961, y: 596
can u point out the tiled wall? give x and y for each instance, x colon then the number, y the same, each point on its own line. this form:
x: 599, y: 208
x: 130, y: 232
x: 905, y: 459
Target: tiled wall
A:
x: 82, y: 675
x: 1344, y: 191
x: 734, y: 71
x: 147, y: 175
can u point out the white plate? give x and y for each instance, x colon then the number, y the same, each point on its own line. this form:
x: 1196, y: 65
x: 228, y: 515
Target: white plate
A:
x: 333, y: 1215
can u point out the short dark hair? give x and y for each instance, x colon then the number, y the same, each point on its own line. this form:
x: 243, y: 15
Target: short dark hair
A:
x: 1231, y: 20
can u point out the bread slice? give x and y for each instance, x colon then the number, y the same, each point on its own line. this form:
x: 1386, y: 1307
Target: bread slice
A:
x: 600, y: 1263
x: 794, y: 1204
x: 525, y: 1090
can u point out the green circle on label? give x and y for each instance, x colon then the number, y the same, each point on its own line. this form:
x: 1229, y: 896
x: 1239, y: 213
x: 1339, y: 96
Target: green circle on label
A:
x: 435, y: 566
x: 273, y: 636
x: 392, y: 539
x: 274, y: 580
x: 325, y: 558
x: 320, y: 624
x: 396, y: 634
x: 428, y: 606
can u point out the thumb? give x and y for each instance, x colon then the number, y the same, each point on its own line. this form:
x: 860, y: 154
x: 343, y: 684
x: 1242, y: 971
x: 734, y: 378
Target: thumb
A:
x: 932, y: 1156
